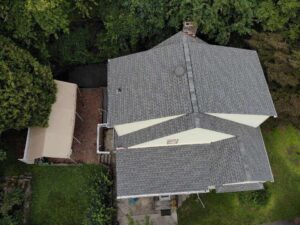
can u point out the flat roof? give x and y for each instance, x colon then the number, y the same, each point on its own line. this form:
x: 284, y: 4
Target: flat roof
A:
x: 55, y: 140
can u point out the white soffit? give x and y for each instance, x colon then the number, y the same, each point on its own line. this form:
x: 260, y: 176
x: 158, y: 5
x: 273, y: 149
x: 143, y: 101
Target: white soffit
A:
x: 132, y: 127
x: 246, y: 119
x: 189, y: 137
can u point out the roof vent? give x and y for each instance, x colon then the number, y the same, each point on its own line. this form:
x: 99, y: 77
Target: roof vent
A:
x: 179, y: 71
x: 119, y: 90
x: 190, y: 28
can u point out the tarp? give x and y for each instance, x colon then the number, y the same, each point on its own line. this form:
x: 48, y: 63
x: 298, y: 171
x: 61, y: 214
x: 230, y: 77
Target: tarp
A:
x: 54, y: 141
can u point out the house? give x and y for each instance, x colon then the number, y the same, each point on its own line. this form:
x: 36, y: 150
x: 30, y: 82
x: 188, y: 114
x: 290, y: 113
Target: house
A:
x: 186, y: 116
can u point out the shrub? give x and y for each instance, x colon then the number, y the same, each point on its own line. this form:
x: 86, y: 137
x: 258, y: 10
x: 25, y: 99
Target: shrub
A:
x: 11, y: 210
x: 100, y: 211
x: 27, y: 89
x: 254, y: 198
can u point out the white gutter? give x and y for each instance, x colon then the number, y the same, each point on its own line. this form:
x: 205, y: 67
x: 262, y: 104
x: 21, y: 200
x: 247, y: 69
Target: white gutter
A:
x: 160, y: 194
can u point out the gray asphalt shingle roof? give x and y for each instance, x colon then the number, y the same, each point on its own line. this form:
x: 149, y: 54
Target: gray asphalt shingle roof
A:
x: 149, y: 88
x: 226, y: 80
x: 215, y: 79
x: 247, y: 145
x: 188, y: 168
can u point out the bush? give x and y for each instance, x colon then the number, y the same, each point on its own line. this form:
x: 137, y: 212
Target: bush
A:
x: 11, y: 210
x: 100, y: 211
x: 254, y: 198
x: 27, y: 89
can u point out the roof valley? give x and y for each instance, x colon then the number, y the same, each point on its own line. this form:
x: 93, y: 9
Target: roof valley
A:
x: 190, y: 76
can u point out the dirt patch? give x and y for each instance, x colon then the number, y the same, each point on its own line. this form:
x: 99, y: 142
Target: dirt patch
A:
x: 89, y: 105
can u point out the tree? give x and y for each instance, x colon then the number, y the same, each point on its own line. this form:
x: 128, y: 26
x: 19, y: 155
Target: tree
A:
x: 130, y: 24
x: 280, y: 16
x: 27, y: 89
x: 217, y: 19
x: 281, y: 62
x: 33, y: 23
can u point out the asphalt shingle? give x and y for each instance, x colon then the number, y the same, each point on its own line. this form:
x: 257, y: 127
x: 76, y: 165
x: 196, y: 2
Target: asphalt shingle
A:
x: 189, y: 168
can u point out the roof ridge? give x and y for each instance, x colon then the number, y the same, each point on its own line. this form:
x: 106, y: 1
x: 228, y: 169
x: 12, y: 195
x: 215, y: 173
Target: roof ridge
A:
x: 190, y: 75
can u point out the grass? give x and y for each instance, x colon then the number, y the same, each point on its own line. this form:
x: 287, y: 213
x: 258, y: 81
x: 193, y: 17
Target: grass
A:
x: 59, y: 195
x: 283, y: 196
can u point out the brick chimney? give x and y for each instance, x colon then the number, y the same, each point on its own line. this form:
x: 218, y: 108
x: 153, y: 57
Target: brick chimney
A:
x: 190, y: 28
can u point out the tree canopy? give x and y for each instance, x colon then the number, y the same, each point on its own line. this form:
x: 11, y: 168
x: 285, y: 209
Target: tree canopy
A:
x: 67, y: 33
x: 281, y: 62
x: 27, y: 89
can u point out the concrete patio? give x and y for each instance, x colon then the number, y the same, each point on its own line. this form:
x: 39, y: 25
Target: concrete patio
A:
x: 140, y: 208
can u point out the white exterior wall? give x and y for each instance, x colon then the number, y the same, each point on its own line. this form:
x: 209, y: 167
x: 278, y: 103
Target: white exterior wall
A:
x: 189, y: 137
x: 135, y: 126
x: 250, y: 120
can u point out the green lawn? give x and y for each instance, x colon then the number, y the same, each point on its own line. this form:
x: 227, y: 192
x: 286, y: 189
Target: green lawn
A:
x: 282, y: 196
x: 59, y: 193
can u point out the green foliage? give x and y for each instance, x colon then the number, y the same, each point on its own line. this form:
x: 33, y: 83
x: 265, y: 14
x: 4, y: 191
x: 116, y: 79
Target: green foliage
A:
x: 100, y: 211
x: 32, y: 22
x: 27, y: 89
x: 281, y: 62
x: 134, y: 25
x: 217, y: 19
x: 281, y: 16
x: 147, y: 20
x: 59, y: 194
x: 129, y: 23
x: 11, y: 206
x: 131, y: 221
x: 74, y: 48
x: 254, y: 198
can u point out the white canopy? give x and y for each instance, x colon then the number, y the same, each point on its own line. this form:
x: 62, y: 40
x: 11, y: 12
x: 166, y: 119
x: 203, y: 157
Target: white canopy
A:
x: 55, y: 140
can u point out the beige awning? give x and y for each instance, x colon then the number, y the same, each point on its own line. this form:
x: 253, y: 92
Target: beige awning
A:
x: 55, y: 140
